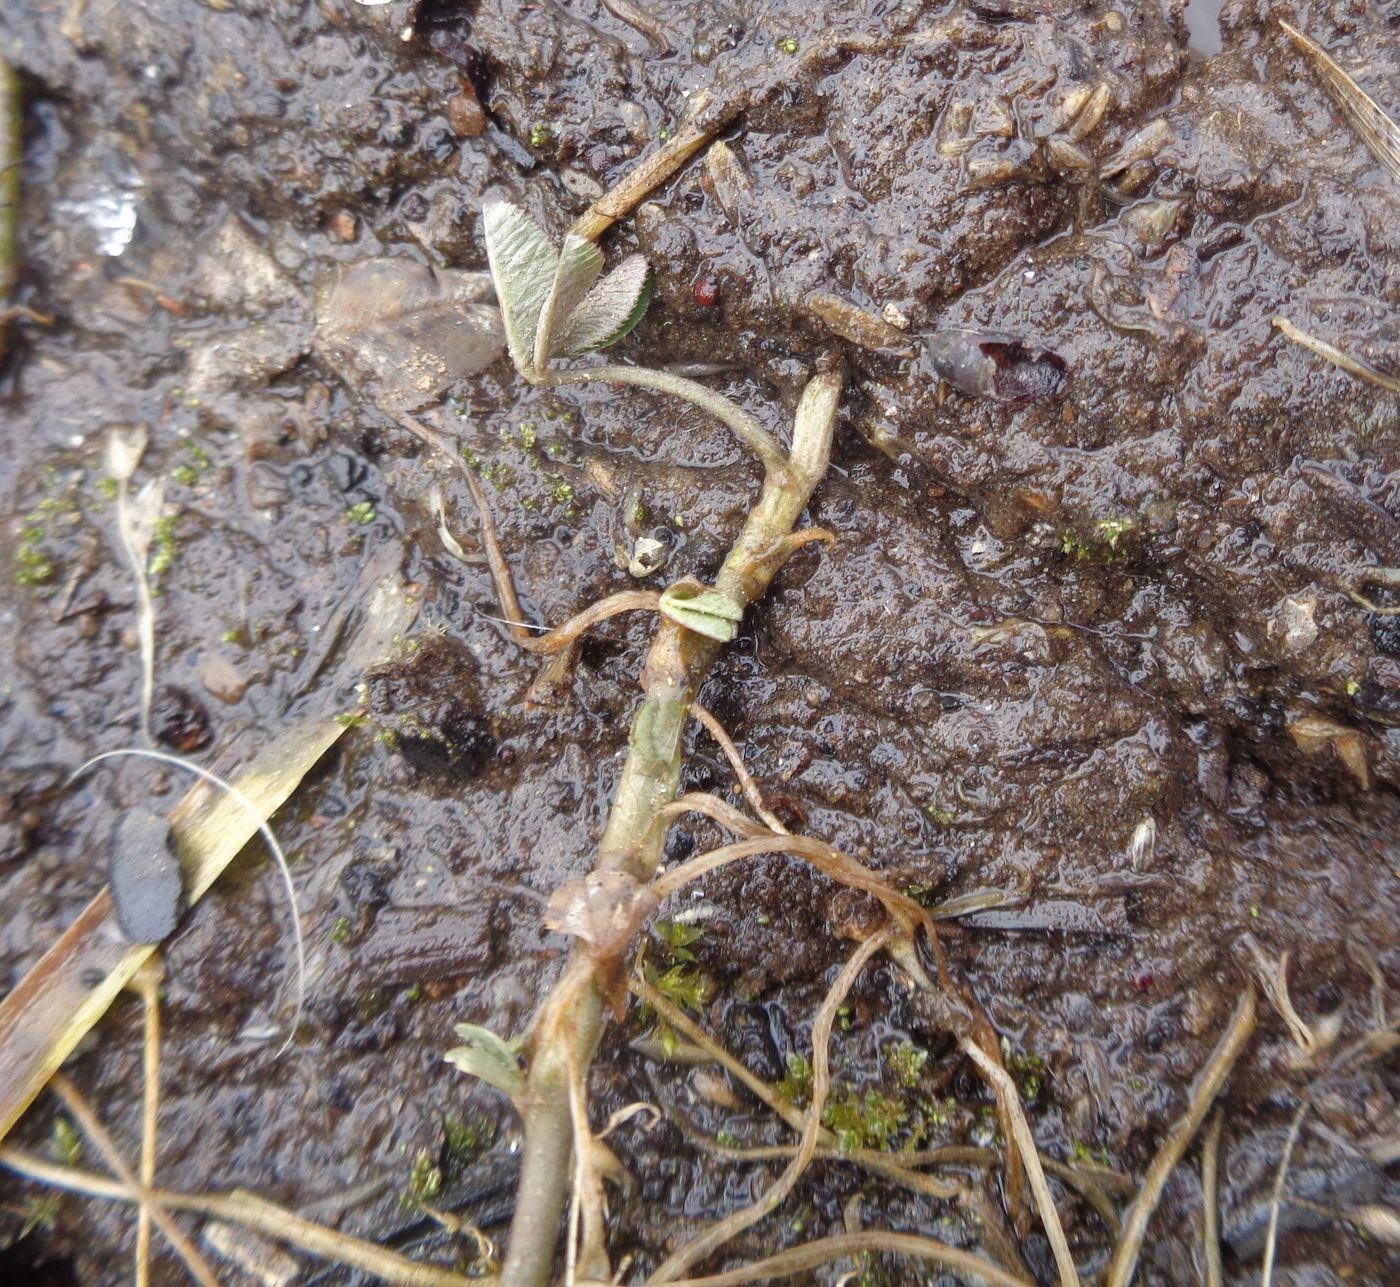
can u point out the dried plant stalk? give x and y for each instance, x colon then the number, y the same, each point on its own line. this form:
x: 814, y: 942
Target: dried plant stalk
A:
x: 722, y: 1231
x: 1208, y: 1086
x: 1000, y: 1081
x: 1338, y: 357
x: 823, y: 1250
x: 1380, y: 134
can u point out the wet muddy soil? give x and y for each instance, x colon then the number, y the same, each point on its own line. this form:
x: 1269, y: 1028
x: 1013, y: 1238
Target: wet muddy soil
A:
x: 1104, y: 659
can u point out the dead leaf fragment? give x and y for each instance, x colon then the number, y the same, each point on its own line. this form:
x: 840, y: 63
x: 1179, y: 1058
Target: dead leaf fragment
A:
x: 1313, y: 734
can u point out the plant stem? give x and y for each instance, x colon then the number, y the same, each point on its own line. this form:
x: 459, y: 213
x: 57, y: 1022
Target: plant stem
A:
x: 570, y: 1021
x: 750, y: 432
x: 1208, y: 1085
x: 11, y: 152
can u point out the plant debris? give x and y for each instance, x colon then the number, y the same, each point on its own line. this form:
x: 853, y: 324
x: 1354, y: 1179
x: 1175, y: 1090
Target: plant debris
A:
x: 988, y: 364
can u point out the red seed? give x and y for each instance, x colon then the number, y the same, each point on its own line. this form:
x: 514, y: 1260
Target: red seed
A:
x: 706, y: 291
x: 1143, y: 980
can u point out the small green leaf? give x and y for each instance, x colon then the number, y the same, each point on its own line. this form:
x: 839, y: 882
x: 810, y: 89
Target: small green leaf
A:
x: 579, y: 266
x: 523, y: 266
x: 609, y: 311
x: 706, y: 612
x: 488, y: 1057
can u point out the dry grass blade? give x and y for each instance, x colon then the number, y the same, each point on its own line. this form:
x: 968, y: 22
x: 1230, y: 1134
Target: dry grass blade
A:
x: 1000, y: 1081
x: 823, y: 1250
x: 147, y: 983
x: 97, y: 1133
x: 1380, y: 134
x: 1338, y: 357
x: 1266, y: 1276
x: 1208, y: 1086
x: 722, y: 1231
x: 1210, y: 1200
x: 53, y: 1006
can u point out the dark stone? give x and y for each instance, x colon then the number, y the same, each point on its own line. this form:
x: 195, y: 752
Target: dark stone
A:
x: 144, y: 875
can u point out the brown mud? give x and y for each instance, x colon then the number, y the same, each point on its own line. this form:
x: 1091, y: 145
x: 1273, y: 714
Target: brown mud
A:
x: 1041, y: 627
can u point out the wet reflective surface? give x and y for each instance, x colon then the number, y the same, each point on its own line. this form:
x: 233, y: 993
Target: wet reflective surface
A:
x: 1041, y: 625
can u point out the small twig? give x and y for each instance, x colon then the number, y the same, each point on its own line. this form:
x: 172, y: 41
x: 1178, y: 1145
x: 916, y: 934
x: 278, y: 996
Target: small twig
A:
x: 723, y: 1230
x: 708, y: 117
x: 490, y: 539
x: 1272, y: 976
x: 563, y: 636
x: 893, y: 1168
x: 682, y: 1022
x: 1208, y: 1087
x: 1005, y: 1090
x: 1338, y: 357
x: 1266, y: 1276
x: 821, y: 1250
x: 253, y: 1212
x: 1210, y: 1200
x: 731, y: 752
x: 825, y: 858
x: 147, y: 984
x: 640, y: 20
x: 111, y: 1155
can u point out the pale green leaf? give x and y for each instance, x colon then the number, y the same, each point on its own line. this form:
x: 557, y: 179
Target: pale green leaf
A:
x: 609, y: 311
x: 706, y: 612
x: 579, y: 266
x: 488, y: 1057
x: 523, y: 265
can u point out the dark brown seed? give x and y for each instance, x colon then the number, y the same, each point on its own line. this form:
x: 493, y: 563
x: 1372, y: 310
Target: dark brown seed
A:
x: 465, y: 116
x: 179, y: 720
x: 706, y: 291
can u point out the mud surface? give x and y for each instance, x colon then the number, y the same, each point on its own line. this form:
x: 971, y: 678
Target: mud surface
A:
x: 1042, y: 626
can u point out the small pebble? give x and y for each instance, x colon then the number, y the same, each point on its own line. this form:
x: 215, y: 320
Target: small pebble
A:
x: 465, y: 114
x: 342, y: 227
x: 144, y: 877
x: 179, y: 719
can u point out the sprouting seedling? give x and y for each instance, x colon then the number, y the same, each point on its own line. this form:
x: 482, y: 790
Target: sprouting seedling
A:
x: 556, y: 303
x: 269, y: 838
x: 559, y: 304
x: 707, y: 612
